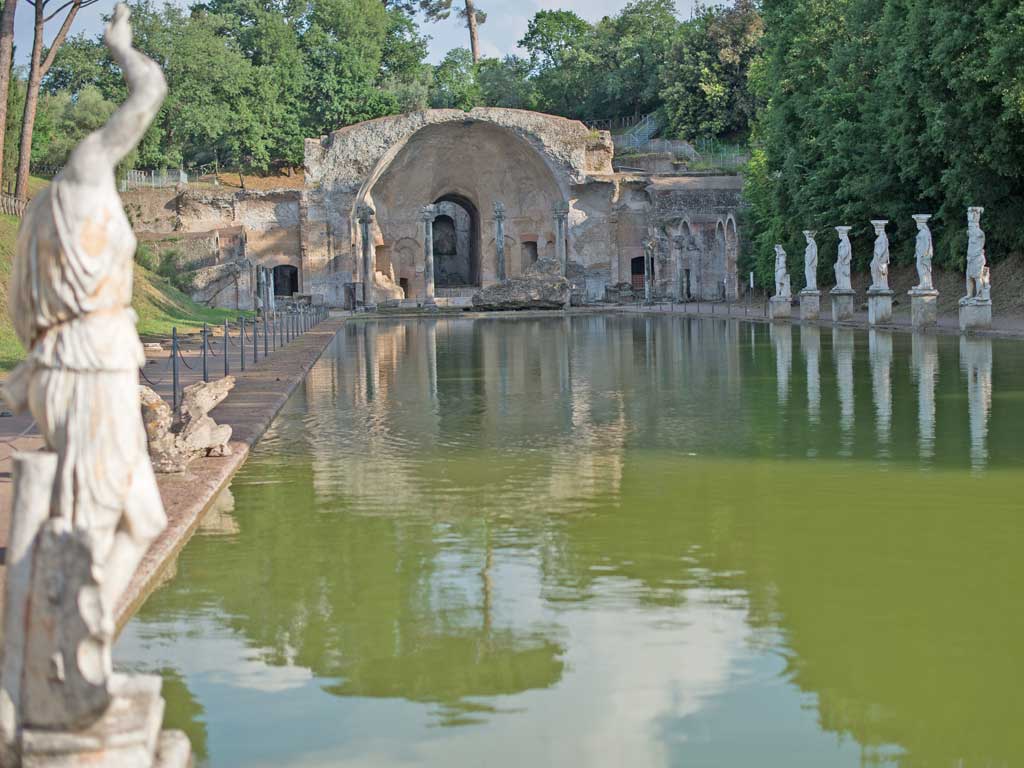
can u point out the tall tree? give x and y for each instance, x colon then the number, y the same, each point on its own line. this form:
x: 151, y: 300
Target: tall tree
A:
x: 37, y: 71
x: 561, y: 48
x: 436, y: 10
x: 6, y: 56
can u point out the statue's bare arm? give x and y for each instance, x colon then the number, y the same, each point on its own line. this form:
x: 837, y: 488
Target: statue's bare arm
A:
x: 101, y: 151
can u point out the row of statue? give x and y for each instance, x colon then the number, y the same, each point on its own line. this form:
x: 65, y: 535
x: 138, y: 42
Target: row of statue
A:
x: 978, y: 283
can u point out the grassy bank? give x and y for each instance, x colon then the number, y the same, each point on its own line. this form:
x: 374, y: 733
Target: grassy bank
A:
x: 159, y: 305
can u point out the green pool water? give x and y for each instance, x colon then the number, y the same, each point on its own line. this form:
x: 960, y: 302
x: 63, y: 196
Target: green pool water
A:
x: 613, y: 541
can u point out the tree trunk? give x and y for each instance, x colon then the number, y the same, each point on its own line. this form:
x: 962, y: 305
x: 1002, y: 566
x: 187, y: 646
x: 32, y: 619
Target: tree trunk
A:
x: 474, y: 33
x: 6, y: 53
x: 37, y: 71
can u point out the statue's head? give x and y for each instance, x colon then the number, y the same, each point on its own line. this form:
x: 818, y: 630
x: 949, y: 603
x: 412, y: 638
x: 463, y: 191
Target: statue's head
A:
x: 922, y: 220
x: 780, y: 253
x: 879, y: 225
x: 844, y: 232
x: 974, y: 216
x: 809, y: 236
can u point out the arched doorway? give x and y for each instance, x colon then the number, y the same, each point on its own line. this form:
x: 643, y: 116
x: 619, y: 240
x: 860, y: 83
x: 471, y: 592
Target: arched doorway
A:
x: 456, y: 243
x: 286, y: 280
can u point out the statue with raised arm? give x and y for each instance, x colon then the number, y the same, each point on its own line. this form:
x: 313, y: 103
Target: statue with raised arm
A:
x: 844, y: 258
x: 924, y: 252
x: 87, y: 508
x: 810, y: 262
x: 977, y: 270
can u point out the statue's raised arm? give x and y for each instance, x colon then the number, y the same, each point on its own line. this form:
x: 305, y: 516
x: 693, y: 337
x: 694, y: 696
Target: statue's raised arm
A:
x: 101, y: 151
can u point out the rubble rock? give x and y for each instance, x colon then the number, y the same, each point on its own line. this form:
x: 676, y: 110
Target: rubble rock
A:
x: 174, y: 441
x: 541, y: 287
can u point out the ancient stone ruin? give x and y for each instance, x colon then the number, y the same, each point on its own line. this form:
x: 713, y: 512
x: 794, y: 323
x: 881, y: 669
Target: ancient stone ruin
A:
x: 175, y: 440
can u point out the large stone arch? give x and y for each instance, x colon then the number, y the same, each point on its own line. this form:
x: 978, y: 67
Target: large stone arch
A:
x: 397, y: 164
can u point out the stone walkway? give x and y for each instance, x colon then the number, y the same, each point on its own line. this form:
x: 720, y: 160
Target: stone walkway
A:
x: 258, y: 395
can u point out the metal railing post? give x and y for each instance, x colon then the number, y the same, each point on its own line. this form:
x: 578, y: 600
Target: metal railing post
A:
x: 241, y: 342
x: 266, y: 350
x: 255, y: 341
x: 174, y: 369
x: 227, y: 367
x: 206, y: 341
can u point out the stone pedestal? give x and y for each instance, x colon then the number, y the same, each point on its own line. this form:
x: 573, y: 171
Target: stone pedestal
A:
x: 924, y: 308
x: 975, y: 314
x: 879, y: 307
x: 127, y: 736
x: 842, y: 305
x: 780, y: 308
x: 810, y: 305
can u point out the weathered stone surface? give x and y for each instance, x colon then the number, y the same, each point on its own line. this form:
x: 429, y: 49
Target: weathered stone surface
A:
x: 879, y: 306
x: 541, y: 287
x: 842, y: 305
x: 975, y: 315
x: 924, y: 307
x: 780, y: 307
x: 175, y: 442
x: 810, y: 304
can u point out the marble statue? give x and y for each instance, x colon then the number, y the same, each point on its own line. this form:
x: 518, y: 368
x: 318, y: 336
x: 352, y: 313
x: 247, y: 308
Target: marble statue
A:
x: 880, y: 258
x: 977, y: 272
x: 87, y: 507
x: 782, y: 284
x: 844, y: 259
x: 924, y: 252
x: 810, y: 262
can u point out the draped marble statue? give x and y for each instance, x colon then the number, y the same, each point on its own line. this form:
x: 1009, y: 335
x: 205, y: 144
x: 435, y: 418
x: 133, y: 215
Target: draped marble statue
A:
x: 924, y: 252
x: 844, y: 258
x: 810, y: 262
x: 978, y: 287
x: 880, y: 258
x: 782, y: 283
x: 87, y: 508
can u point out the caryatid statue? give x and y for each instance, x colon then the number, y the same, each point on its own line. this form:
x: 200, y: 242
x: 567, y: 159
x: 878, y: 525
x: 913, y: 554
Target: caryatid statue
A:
x: 880, y: 258
x: 810, y: 262
x: 977, y: 269
x: 782, y: 284
x: 924, y: 251
x: 70, y: 302
x: 844, y: 258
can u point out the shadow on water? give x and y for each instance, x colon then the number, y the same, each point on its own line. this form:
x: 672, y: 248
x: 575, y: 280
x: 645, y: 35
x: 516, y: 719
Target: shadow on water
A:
x: 664, y: 540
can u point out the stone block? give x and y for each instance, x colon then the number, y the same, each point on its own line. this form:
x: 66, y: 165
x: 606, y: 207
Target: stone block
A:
x: 879, y: 307
x: 126, y: 736
x: 780, y: 308
x: 810, y: 305
x: 924, y: 308
x: 842, y: 306
x: 975, y: 314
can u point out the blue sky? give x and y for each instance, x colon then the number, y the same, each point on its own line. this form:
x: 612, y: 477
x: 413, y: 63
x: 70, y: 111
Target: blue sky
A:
x: 506, y: 23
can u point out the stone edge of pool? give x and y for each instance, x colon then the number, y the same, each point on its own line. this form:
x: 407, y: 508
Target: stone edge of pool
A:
x: 258, y: 396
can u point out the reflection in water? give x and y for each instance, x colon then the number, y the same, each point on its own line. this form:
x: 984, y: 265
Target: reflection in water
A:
x: 976, y: 361
x: 924, y: 362
x: 880, y: 350
x: 782, y: 340
x: 810, y: 343
x: 842, y: 348
x: 588, y: 542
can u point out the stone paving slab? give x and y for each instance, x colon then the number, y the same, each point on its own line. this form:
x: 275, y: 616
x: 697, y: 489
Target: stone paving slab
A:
x: 259, y: 394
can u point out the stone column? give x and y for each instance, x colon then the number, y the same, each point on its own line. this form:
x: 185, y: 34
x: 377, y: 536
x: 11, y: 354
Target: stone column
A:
x: 561, y: 214
x: 428, y: 213
x: 499, y: 239
x: 365, y: 215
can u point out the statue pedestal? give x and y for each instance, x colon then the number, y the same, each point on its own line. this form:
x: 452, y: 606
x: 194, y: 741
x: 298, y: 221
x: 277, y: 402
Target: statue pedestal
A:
x: 975, y: 314
x: 842, y: 305
x: 810, y: 304
x: 128, y: 734
x: 879, y: 306
x: 780, y: 308
x: 924, y: 307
